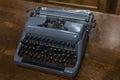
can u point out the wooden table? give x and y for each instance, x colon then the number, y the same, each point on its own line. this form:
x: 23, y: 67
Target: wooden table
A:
x: 101, y: 61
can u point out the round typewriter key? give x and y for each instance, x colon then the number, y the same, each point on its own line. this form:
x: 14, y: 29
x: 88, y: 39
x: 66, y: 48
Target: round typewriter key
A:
x: 26, y: 41
x: 42, y: 55
x: 45, y: 50
x: 74, y: 57
x: 30, y: 42
x: 22, y: 45
x: 72, y: 53
x: 64, y: 60
x: 55, y: 60
x: 26, y: 52
x: 42, y: 52
x: 68, y: 52
x: 38, y: 57
x: 33, y: 48
x: 63, y: 54
x: 54, y: 55
x: 34, y: 42
x: 59, y: 49
x: 60, y: 61
x: 29, y: 47
x: 51, y: 58
x: 51, y: 49
x: 50, y: 54
x: 59, y: 55
x: 25, y: 47
x: 68, y: 55
x: 55, y: 49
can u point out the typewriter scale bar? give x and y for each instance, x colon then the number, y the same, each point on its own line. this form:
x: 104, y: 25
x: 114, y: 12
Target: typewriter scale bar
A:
x: 69, y: 14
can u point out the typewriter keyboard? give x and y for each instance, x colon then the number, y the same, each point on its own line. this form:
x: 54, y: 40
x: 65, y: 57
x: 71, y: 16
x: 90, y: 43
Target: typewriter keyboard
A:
x: 37, y: 50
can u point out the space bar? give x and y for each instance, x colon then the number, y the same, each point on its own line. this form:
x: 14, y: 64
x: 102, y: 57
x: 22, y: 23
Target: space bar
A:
x: 44, y: 64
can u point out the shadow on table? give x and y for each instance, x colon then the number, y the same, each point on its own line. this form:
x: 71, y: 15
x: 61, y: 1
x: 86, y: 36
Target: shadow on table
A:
x: 114, y: 74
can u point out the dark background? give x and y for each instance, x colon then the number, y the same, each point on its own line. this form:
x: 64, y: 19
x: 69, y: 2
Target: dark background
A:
x: 107, y: 6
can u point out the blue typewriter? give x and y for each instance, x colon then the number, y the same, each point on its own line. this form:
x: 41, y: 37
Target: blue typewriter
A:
x: 54, y: 40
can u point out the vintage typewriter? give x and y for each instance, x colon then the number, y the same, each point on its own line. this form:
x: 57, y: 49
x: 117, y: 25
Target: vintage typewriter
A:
x: 54, y: 40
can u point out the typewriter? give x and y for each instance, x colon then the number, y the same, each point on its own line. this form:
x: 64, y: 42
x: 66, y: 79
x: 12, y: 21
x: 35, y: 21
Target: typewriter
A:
x: 54, y: 40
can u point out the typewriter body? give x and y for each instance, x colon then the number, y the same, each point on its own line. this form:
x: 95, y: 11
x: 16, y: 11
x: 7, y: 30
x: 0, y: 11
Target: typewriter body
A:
x: 54, y: 40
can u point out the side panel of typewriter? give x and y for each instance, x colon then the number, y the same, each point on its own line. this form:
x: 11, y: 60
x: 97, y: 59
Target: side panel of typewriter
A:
x: 81, y: 46
x: 18, y: 59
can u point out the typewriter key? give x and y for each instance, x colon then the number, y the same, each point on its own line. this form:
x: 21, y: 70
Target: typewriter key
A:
x: 68, y: 55
x: 55, y: 55
x: 63, y: 54
x: 51, y: 57
x: 50, y: 54
x: 72, y: 53
x: 25, y: 47
x: 59, y: 55
x: 60, y: 61
x: 29, y: 47
x: 38, y: 57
